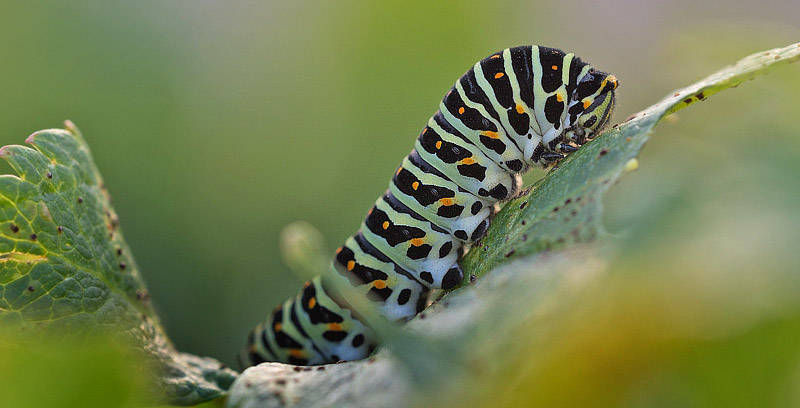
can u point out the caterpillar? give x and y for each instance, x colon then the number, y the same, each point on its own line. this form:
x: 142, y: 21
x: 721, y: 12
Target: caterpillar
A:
x: 522, y: 107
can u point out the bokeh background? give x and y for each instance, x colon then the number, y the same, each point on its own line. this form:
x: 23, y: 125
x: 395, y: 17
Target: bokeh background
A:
x: 217, y: 123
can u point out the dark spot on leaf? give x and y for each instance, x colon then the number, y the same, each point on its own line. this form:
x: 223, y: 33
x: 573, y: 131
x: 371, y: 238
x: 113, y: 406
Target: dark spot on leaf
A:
x: 321, y: 368
x: 569, y: 200
x: 555, y: 209
x: 524, y: 237
x: 122, y: 265
x: 524, y: 222
x: 574, y: 213
x: 511, y: 253
x: 60, y: 229
x: 701, y: 96
x: 49, y: 175
x: 472, y: 277
x: 80, y: 200
x: 280, y: 381
x: 279, y: 396
x: 33, y: 237
x: 603, y: 152
x: 119, y: 251
x: 523, y: 205
x: 14, y: 228
x: 298, y: 369
x: 31, y: 288
x: 687, y: 101
x: 422, y: 316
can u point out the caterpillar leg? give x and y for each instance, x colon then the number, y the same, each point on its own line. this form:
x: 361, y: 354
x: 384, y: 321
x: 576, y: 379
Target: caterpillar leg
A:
x: 551, y: 157
x: 567, y: 148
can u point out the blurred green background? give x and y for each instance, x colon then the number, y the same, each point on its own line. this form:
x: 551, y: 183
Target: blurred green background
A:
x: 215, y: 124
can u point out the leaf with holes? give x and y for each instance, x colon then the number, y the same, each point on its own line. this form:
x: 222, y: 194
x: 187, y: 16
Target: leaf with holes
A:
x: 66, y: 272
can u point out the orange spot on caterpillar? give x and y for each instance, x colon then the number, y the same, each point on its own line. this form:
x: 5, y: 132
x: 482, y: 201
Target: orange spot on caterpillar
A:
x: 439, y: 144
x: 554, y: 67
x: 461, y: 110
x: 277, y: 327
x: 520, y: 109
x: 447, y: 201
x: 378, y: 284
x: 415, y: 185
x: 351, y: 265
x: 586, y: 103
x: 398, y: 170
x: 495, y: 56
x: 559, y: 97
x: 334, y: 327
x: 417, y: 241
x: 499, y: 75
x: 296, y: 353
x: 468, y: 160
x: 312, y: 302
x: 385, y: 225
x: 490, y: 134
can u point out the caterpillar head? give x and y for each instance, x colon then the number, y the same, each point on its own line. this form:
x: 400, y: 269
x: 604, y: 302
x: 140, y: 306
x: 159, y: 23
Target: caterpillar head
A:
x: 592, y: 102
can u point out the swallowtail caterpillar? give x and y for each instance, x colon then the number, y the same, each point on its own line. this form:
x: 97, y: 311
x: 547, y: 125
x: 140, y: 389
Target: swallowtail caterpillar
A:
x: 519, y: 108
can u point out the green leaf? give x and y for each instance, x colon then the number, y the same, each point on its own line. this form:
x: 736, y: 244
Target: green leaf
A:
x: 66, y: 271
x: 550, y: 324
x: 564, y: 208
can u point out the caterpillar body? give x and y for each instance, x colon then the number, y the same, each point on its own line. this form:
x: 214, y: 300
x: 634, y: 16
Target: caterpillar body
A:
x: 518, y: 108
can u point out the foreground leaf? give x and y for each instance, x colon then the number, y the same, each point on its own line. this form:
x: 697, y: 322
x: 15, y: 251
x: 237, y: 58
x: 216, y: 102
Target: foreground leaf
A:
x: 66, y: 271
x: 385, y: 381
